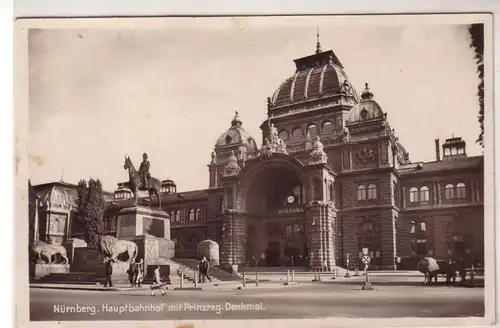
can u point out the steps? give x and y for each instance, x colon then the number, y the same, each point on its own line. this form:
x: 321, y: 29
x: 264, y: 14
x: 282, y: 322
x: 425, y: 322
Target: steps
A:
x: 83, y: 278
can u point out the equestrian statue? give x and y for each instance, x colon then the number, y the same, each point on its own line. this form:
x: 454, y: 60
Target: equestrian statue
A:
x: 142, y: 179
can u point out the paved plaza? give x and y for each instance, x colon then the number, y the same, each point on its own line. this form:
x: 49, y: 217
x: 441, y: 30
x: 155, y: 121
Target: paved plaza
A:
x: 268, y: 301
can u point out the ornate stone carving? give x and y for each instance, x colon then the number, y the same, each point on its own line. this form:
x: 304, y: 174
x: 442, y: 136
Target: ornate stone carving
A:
x: 152, y: 248
x: 232, y: 168
x: 146, y: 224
x: 346, y: 136
x: 317, y: 155
x: 364, y: 156
x: 213, y: 157
x: 273, y: 144
x: 308, y: 142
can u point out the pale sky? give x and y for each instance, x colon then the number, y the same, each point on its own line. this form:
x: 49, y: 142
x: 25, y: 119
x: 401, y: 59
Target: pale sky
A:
x: 98, y: 94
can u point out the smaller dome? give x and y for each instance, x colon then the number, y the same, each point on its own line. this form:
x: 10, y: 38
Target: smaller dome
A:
x: 236, y: 134
x: 168, y: 186
x: 122, y: 193
x: 366, y: 109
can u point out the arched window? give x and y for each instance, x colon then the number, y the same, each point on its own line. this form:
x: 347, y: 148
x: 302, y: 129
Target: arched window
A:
x: 361, y: 192
x: 178, y: 216
x: 364, y: 114
x: 372, y: 191
x: 327, y: 128
x: 461, y: 190
x: 297, y: 133
x: 288, y: 229
x: 447, y: 151
x: 461, y: 150
x: 424, y: 194
x: 413, y: 195
x: 198, y: 214
x: 454, y: 151
x: 449, y: 191
x: 191, y: 214
x: 419, y: 238
x: 366, y: 226
x: 296, y: 230
x: 368, y: 238
x: 313, y: 130
x: 283, y: 135
x: 228, y: 140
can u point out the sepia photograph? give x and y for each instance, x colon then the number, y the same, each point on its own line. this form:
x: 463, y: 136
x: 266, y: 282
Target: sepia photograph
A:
x: 236, y: 168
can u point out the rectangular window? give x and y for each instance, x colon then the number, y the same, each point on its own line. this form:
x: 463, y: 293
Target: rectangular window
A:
x: 338, y: 123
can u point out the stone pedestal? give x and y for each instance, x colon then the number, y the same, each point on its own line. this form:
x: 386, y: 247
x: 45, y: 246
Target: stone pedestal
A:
x: 139, y: 220
x: 154, y: 251
x: 42, y: 269
x: 70, y: 246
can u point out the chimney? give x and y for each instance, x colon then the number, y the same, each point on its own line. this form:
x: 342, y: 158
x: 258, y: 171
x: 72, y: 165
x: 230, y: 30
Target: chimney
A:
x: 438, y: 155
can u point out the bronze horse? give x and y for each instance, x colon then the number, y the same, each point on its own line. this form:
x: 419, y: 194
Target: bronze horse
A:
x: 135, y: 183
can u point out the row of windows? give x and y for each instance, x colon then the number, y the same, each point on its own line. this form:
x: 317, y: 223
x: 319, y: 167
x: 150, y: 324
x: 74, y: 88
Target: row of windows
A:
x: 367, y: 193
x: 326, y: 128
x: 194, y: 215
x: 451, y: 192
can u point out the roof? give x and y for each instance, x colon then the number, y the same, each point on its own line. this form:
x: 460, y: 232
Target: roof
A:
x: 474, y: 162
x: 236, y: 134
x: 316, y: 76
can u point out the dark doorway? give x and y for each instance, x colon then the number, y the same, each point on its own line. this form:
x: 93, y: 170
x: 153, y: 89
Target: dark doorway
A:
x: 294, y: 253
x: 273, y: 254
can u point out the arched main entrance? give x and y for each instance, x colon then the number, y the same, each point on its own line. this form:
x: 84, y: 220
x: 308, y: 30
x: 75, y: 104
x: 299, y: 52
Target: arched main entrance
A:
x: 274, y: 203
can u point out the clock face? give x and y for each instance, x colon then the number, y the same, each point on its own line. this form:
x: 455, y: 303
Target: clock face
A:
x: 290, y: 199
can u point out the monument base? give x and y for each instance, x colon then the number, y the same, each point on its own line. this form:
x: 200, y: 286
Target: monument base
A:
x: 42, y: 269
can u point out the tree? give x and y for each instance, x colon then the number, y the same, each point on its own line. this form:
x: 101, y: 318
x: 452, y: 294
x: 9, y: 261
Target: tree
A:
x: 91, y: 209
x: 476, y: 32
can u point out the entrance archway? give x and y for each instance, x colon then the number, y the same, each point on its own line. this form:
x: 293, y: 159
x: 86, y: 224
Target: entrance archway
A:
x: 274, y: 204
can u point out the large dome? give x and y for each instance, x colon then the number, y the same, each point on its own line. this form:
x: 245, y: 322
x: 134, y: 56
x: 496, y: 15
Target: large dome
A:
x: 236, y: 134
x: 317, y: 76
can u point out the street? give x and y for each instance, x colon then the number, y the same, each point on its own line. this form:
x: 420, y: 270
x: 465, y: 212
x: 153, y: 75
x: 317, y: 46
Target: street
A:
x: 307, y: 300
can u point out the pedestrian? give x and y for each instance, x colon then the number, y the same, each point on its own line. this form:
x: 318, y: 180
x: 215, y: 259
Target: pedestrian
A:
x: 204, y: 267
x: 131, y: 273
x: 109, y: 272
x: 157, y: 283
x: 139, y: 273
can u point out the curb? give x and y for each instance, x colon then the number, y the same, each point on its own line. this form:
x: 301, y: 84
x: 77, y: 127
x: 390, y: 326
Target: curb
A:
x: 103, y: 289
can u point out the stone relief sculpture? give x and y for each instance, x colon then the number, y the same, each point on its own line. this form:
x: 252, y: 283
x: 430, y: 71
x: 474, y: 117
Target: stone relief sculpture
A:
x: 364, y: 156
x: 43, y: 252
x: 112, y: 247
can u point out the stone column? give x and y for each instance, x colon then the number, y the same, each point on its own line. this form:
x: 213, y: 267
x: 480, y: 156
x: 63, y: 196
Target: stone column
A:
x: 321, y: 235
x: 233, y: 250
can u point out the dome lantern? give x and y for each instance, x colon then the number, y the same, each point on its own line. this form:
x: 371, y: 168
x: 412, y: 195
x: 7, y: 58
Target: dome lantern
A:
x: 367, y: 94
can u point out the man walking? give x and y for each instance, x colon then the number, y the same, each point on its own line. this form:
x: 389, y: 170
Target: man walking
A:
x: 204, y: 267
x: 109, y: 273
x: 157, y: 284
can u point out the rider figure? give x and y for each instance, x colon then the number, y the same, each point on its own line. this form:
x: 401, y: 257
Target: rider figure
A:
x: 144, y: 170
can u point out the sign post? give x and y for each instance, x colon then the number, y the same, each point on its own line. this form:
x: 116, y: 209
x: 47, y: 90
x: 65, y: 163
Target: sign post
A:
x: 347, y: 274
x: 366, y: 261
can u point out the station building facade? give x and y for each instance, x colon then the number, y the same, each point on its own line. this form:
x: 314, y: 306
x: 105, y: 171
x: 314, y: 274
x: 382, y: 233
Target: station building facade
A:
x: 329, y: 179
